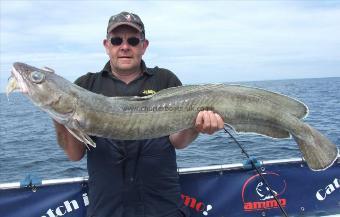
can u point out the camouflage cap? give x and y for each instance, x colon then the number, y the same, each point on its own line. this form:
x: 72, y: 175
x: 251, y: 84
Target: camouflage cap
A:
x: 126, y: 18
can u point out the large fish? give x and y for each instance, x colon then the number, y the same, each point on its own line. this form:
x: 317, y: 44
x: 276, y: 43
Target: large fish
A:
x: 245, y: 109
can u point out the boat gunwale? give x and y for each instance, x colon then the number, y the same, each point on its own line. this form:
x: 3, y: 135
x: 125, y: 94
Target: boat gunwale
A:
x: 189, y: 170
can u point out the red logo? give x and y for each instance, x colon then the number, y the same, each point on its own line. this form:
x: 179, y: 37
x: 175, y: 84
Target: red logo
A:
x: 257, y: 196
x: 196, y: 205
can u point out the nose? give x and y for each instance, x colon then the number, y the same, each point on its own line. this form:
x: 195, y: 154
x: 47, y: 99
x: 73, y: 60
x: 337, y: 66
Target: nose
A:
x: 125, y: 45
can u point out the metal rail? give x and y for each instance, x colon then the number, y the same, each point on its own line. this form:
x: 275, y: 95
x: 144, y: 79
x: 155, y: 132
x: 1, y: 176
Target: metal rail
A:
x: 202, y: 169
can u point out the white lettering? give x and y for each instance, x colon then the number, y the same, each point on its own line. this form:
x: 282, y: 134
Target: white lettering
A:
x: 63, y: 209
x: 86, y: 199
x: 59, y: 212
x: 68, y: 205
x: 49, y: 213
x: 209, y: 207
x: 321, y: 194
x: 329, y: 189
x: 336, y: 183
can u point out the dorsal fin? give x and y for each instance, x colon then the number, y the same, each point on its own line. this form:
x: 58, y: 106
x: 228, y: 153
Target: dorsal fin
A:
x: 291, y: 105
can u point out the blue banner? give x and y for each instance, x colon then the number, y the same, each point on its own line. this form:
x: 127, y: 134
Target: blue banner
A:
x: 300, y: 191
x: 232, y: 192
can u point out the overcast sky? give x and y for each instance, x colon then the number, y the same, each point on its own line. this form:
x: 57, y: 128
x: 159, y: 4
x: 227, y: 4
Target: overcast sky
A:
x: 201, y: 41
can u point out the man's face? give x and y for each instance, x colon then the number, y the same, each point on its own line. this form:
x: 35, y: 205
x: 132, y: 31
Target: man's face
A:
x: 124, y: 57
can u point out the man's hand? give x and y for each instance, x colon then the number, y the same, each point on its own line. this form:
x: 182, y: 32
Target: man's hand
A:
x: 208, y: 122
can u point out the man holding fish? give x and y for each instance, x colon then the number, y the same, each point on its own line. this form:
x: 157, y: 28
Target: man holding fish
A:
x: 130, y: 172
x: 133, y: 177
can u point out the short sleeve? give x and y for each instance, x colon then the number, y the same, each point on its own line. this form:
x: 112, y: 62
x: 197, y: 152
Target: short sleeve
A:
x: 173, y: 80
x: 85, y: 81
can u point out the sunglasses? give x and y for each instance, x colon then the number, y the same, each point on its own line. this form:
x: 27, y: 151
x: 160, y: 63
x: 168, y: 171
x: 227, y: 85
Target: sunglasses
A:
x: 133, y: 41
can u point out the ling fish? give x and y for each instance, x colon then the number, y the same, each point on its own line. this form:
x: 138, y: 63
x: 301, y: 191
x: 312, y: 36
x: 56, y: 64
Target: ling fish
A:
x: 245, y: 109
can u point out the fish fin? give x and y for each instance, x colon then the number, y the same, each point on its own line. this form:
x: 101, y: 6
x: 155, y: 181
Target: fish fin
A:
x: 83, y: 137
x: 260, y: 128
x: 185, y: 89
x: 318, y: 152
x: 61, y: 118
x: 289, y: 104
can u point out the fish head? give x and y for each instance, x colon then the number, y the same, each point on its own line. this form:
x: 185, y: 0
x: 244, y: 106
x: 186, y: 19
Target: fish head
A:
x: 37, y: 84
x: 45, y: 89
x: 27, y: 79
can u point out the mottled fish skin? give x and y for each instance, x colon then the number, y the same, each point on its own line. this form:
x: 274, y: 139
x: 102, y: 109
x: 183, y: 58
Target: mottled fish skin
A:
x: 245, y: 109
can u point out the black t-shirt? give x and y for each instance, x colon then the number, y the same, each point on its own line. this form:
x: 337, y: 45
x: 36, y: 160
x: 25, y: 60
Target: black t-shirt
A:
x: 151, y: 81
x: 134, y: 178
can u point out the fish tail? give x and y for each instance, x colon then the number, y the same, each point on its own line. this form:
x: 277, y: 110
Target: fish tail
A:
x: 318, y: 151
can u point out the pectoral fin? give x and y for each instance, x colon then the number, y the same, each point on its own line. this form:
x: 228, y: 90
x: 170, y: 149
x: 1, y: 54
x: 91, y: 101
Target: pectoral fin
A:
x: 81, y: 135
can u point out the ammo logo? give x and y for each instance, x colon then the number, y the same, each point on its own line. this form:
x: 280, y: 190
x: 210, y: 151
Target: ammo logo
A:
x: 256, y: 196
x: 148, y: 92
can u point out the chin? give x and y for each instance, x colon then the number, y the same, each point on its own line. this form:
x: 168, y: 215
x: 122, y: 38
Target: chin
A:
x: 126, y: 66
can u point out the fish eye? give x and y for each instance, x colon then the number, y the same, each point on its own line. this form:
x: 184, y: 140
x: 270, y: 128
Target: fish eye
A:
x: 37, y: 77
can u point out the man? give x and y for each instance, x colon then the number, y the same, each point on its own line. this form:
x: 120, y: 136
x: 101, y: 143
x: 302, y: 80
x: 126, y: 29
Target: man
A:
x: 133, y: 178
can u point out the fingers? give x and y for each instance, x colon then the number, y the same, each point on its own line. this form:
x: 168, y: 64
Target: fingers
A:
x: 199, y: 122
x: 208, y: 122
x: 220, y: 121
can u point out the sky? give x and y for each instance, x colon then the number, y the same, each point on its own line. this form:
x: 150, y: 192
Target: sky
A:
x: 200, y: 41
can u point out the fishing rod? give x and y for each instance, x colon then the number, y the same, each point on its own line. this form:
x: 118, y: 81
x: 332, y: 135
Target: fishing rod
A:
x: 258, y: 171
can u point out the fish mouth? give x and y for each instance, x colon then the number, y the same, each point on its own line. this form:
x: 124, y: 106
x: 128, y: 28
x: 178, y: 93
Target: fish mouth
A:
x: 16, y: 82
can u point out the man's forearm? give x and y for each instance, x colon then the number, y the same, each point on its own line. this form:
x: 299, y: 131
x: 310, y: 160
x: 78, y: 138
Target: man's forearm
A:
x: 206, y: 122
x: 74, y: 149
x: 61, y: 133
x: 183, y: 138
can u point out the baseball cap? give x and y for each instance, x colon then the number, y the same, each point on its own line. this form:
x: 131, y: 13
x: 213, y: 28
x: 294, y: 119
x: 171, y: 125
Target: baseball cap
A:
x: 126, y: 18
